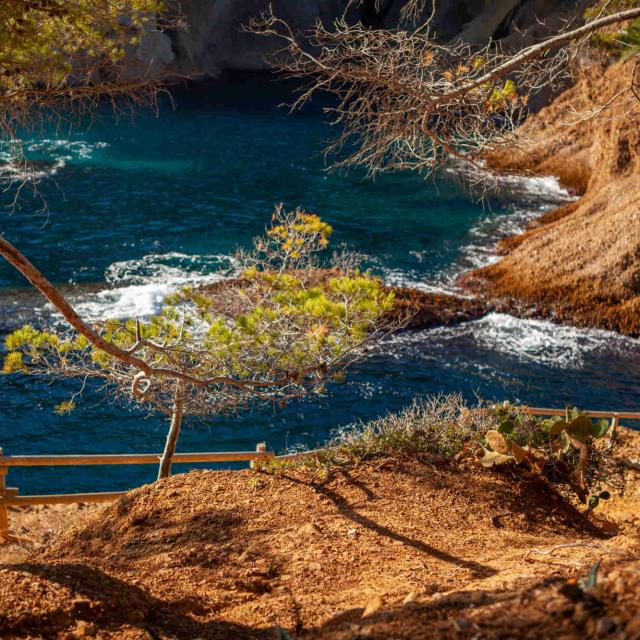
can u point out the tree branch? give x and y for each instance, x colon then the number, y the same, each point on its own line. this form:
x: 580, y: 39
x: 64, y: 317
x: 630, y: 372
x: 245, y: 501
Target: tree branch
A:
x: 51, y: 293
x: 534, y: 51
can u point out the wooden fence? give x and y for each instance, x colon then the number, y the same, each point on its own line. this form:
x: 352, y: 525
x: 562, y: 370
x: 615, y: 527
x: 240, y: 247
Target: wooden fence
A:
x: 9, y: 496
x: 615, y: 416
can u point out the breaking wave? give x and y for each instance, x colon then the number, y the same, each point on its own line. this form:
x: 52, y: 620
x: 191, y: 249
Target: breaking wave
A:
x: 522, y: 340
x: 139, y: 287
x: 529, y: 197
x: 31, y: 160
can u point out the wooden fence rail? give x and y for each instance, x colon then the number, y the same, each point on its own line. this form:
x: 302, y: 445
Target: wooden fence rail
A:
x: 9, y: 496
x: 133, y: 458
x: 624, y: 415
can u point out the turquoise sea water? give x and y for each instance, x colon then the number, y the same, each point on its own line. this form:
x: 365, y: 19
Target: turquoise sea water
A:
x: 138, y: 207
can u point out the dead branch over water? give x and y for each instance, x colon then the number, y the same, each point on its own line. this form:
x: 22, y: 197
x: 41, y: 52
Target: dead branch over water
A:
x: 403, y: 100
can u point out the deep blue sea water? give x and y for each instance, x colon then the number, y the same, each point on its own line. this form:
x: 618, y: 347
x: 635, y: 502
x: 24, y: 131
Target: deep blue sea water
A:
x: 138, y: 207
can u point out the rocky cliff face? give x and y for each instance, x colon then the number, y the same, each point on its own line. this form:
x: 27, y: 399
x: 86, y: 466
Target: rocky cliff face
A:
x: 581, y: 263
x: 210, y: 38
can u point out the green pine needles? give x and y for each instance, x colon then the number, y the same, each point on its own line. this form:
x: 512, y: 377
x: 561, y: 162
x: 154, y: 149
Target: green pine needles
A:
x: 281, y: 328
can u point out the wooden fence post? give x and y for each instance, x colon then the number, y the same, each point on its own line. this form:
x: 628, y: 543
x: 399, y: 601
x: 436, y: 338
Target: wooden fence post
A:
x: 614, y: 427
x: 261, y: 447
x: 4, y: 512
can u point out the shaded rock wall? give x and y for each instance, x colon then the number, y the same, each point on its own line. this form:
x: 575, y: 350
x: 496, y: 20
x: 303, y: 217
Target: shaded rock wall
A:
x: 210, y: 39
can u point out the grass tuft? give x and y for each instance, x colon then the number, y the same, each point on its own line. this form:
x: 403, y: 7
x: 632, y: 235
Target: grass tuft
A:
x: 443, y: 425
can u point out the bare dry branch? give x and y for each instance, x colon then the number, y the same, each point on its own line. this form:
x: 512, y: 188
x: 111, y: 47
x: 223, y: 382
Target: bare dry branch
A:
x: 405, y: 101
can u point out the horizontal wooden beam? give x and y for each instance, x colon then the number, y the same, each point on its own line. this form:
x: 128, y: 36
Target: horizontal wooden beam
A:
x: 538, y: 411
x: 133, y: 458
x: 65, y: 498
x: 299, y: 455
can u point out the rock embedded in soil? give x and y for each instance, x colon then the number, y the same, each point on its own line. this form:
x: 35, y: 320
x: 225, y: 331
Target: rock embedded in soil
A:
x: 309, y: 528
x: 426, y: 310
x: 373, y: 606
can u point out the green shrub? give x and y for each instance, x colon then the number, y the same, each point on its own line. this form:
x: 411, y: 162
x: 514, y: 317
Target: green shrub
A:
x: 622, y: 42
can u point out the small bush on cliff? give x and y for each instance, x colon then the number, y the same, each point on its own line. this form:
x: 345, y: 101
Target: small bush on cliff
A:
x: 621, y: 41
x: 442, y: 425
x: 572, y: 456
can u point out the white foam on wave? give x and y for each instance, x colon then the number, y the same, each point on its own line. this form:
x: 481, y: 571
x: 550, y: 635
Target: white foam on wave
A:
x: 486, y: 233
x: 32, y: 160
x: 140, y: 286
x: 61, y: 148
x: 525, y: 340
x: 138, y: 301
x: 540, y: 341
x: 528, y: 197
x: 542, y: 189
x: 173, y: 268
x: 410, y: 280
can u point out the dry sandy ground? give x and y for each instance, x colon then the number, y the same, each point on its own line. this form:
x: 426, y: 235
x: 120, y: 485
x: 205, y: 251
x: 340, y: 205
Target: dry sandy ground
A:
x: 393, y: 548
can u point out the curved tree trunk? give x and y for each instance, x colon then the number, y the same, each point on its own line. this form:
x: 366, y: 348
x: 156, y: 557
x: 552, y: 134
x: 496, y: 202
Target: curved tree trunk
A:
x: 17, y: 259
x: 174, y: 432
x: 49, y: 291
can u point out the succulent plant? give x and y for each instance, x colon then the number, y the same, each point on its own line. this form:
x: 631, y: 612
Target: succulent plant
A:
x: 555, y: 448
x: 497, y: 441
x: 494, y: 459
x: 594, y: 500
x: 577, y: 425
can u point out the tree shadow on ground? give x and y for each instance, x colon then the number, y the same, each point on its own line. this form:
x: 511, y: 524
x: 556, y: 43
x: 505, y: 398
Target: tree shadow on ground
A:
x: 346, y: 509
x: 534, y: 502
x: 447, y: 617
x: 200, y: 537
x: 112, y: 604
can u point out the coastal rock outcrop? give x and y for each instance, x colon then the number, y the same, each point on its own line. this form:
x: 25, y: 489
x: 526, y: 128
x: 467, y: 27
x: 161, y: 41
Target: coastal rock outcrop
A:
x: 579, y: 264
x: 426, y: 309
x: 413, y: 308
